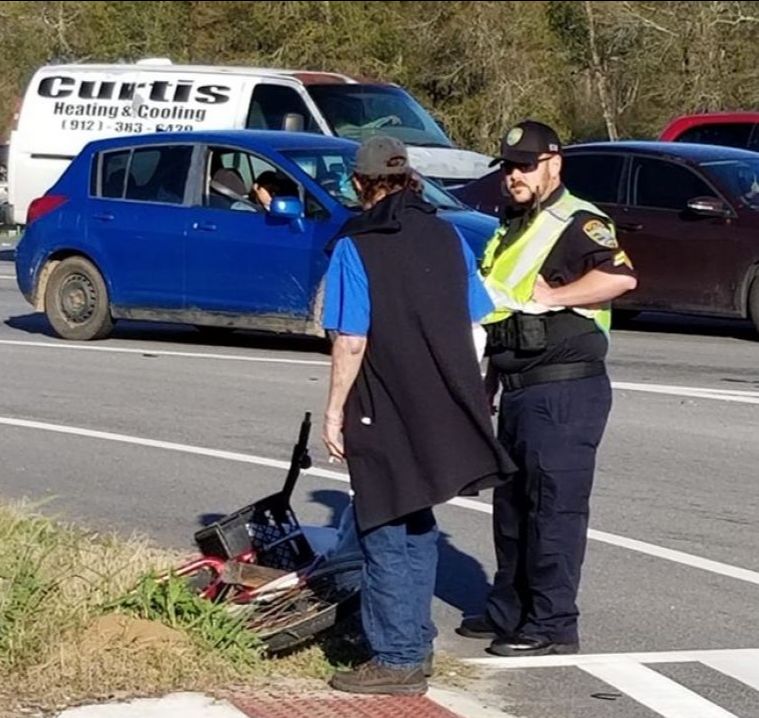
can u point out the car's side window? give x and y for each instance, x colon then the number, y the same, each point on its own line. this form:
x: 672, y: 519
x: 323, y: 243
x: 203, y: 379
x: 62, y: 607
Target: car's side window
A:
x: 241, y: 181
x: 594, y: 177
x: 158, y: 174
x: 665, y: 185
x: 278, y: 107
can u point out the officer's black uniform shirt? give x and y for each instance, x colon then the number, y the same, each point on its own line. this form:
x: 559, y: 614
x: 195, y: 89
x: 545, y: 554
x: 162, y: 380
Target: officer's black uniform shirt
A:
x: 586, y: 244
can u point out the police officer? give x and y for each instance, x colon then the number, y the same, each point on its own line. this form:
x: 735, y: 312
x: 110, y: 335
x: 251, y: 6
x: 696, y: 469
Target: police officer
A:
x: 552, y: 269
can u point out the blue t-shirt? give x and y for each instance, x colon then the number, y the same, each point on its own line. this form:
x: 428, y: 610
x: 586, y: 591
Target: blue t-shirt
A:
x: 347, y: 308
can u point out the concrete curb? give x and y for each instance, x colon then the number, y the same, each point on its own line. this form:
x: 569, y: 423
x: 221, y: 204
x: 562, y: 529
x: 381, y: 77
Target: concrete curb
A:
x: 200, y: 705
x: 174, y: 705
x: 464, y: 704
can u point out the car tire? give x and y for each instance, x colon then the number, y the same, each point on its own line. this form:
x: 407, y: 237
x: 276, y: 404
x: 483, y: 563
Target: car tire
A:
x: 76, y: 301
x: 753, y: 302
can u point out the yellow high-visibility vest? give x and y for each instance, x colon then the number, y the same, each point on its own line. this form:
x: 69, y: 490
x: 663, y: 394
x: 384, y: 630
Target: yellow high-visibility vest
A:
x: 510, y: 277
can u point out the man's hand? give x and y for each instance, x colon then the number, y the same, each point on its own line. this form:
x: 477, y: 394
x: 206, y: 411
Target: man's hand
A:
x: 543, y: 292
x: 491, y: 387
x: 332, y: 435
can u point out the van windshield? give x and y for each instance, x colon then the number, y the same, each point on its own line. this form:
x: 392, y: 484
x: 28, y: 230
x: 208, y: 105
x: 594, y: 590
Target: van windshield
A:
x: 332, y: 170
x: 359, y: 111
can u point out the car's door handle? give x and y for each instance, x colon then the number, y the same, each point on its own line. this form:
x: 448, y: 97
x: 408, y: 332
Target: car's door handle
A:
x: 204, y: 226
x: 630, y: 227
x: 103, y: 217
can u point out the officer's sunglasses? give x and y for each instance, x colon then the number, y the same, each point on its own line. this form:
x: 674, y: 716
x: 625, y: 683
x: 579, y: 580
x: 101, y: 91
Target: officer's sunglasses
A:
x: 524, y: 167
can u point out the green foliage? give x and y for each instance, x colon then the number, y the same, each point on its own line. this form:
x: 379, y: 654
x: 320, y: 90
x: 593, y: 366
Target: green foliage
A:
x: 172, y: 603
x: 479, y: 66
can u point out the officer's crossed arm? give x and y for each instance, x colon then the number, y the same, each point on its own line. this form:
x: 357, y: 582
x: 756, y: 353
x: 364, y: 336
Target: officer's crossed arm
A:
x: 594, y: 288
x: 605, y: 271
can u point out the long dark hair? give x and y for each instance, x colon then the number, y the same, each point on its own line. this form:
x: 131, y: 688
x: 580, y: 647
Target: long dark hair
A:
x: 372, y: 185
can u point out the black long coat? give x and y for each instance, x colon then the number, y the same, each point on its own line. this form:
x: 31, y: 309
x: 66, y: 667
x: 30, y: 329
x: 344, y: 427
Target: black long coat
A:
x: 417, y: 429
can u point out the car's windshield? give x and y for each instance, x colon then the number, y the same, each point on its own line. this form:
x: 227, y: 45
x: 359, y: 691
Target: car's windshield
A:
x: 359, y: 111
x: 332, y: 170
x: 739, y: 178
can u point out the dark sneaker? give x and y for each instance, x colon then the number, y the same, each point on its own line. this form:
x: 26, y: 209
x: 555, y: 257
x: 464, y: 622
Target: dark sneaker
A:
x: 477, y: 627
x: 372, y: 677
x: 522, y: 646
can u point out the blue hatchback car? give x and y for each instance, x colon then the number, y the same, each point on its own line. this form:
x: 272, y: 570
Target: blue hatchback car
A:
x: 168, y: 227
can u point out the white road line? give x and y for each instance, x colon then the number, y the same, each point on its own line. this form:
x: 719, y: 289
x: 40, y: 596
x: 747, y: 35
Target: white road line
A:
x: 730, y: 395
x: 7, y: 276
x: 736, y: 666
x: 163, y: 352
x: 730, y: 656
x: 743, y: 397
x: 655, y: 691
x: 723, y: 569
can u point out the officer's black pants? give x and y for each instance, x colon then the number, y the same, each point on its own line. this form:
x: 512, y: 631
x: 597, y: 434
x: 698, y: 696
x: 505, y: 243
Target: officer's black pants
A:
x: 540, y: 520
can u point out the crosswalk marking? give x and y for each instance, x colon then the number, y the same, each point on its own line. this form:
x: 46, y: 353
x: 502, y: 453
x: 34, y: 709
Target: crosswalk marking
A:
x: 655, y: 691
x: 740, y: 667
x: 628, y: 673
x: 731, y: 657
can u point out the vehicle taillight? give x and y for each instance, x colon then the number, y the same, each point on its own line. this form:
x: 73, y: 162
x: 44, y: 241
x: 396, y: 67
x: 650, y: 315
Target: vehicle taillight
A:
x: 43, y: 205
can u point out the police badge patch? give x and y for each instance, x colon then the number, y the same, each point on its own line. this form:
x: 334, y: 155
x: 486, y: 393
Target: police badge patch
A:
x: 515, y: 134
x: 600, y: 233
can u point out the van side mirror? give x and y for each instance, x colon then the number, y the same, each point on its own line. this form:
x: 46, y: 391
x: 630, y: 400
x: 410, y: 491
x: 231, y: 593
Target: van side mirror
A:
x: 708, y: 207
x: 293, y: 122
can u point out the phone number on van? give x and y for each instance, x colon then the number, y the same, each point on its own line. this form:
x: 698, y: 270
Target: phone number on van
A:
x: 99, y: 126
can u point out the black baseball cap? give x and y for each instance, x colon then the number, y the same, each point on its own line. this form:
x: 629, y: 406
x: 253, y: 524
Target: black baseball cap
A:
x: 525, y: 142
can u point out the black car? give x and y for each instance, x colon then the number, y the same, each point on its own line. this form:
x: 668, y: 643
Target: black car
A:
x: 687, y: 215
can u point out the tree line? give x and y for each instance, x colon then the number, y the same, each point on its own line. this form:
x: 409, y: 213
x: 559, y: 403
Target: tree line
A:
x: 595, y: 70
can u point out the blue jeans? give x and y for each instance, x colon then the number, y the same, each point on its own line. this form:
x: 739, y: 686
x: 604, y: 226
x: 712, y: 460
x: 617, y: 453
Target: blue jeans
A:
x: 398, y: 583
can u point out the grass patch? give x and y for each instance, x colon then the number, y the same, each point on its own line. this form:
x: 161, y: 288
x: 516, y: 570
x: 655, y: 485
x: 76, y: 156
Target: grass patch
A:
x: 83, y: 619
x: 74, y: 628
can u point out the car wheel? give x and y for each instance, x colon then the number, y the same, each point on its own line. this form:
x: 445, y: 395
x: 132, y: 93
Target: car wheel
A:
x: 753, y: 303
x: 76, y: 301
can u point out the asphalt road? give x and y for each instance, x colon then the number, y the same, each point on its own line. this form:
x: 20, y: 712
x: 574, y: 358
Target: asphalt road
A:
x: 672, y: 570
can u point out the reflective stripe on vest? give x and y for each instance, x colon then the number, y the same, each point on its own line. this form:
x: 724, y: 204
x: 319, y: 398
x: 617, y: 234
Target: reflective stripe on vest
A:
x: 510, y: 278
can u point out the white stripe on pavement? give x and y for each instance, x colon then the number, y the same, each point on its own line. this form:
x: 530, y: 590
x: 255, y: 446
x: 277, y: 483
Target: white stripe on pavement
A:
x: 164, y: 352
x: 7, y: 276
x: 730, y: 656
x: 655, y: 691
x: 743, y: 397
x: 730, y: 395
x: 723, y: 569
x: 737, y: 666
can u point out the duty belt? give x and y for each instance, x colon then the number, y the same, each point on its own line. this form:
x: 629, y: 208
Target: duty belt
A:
x: 551, y: 372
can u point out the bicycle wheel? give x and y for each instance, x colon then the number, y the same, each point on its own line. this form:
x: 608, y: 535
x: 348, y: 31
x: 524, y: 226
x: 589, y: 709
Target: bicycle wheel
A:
x: 287, y: 618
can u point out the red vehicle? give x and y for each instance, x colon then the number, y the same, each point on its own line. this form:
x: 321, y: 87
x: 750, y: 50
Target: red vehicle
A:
x: 731, y: 129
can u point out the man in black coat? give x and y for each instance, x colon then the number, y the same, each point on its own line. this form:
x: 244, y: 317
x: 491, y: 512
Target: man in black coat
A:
x: 407, y: 407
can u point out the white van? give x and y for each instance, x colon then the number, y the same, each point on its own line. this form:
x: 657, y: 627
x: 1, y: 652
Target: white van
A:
x: 66, y: 106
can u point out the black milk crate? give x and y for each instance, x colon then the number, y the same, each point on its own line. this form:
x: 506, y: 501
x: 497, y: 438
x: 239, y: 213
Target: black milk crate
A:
x: 269, y: 526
